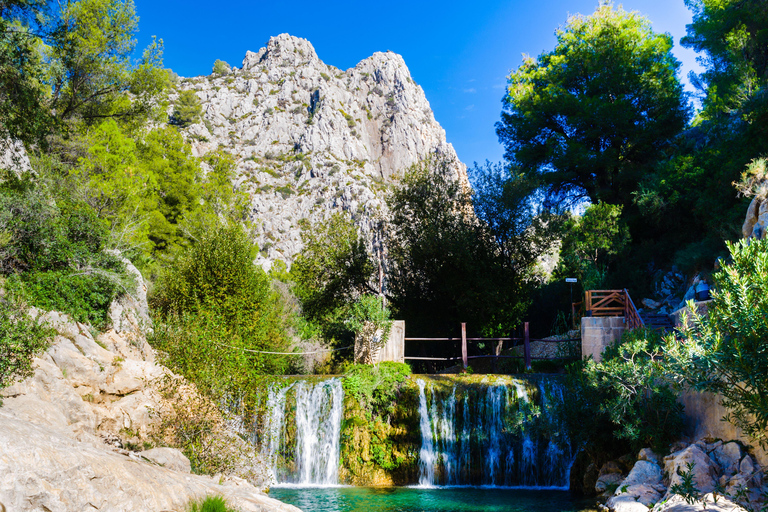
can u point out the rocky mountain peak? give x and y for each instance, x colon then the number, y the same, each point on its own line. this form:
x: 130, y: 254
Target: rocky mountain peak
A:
x: 311, y: 139
x: 282, y: 51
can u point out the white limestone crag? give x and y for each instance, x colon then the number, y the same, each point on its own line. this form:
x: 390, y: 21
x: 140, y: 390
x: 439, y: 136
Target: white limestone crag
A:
x: 310, y: 139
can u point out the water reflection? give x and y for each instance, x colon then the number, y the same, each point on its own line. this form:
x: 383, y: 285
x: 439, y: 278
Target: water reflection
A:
x: 409, y: 499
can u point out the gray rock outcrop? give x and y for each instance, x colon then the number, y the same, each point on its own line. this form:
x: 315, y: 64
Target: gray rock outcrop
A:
x: 45, y: 468
x: 68, y: 432
x: 310, y: 139
x: 756, y: 220
x: 722, y: 474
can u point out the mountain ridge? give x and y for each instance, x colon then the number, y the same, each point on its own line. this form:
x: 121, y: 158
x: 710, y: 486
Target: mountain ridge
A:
x: 310, y: 139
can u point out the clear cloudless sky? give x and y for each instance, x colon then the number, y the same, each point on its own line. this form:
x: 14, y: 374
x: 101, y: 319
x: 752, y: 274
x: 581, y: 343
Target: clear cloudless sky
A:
x: 459, y: 52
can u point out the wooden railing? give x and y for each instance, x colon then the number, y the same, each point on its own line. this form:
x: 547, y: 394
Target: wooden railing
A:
x: 613, y: 303
x: 497, y: 349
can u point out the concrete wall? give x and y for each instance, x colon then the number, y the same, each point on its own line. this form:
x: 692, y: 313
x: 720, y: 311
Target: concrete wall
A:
x: 704, y: 418
x: 598, y: 332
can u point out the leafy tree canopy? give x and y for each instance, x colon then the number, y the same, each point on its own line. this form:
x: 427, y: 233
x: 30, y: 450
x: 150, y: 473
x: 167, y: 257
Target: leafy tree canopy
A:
x: 445, y: 265
x: 72, y: 62
x: 732, y: 35
x: 590, y: 116
x: 333, y: 270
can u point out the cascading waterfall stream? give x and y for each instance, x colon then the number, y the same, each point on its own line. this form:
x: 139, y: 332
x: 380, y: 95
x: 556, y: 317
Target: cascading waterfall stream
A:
x: 501, y: 432
x: 507, y: 439
x: 314, y: 457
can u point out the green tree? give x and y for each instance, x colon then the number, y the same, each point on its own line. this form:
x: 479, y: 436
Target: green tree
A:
x: 591, y: 116
x: 90, y: 69
x: 149, y: 192
x: 218, y: 312
x: 332, y: 271
x: 724, y: 351
x: 24, y: 113
x: 221, y: 68
x: 733, y: 36
x: 187, y: 110
x: 444, y: 265
x: 589, y: 244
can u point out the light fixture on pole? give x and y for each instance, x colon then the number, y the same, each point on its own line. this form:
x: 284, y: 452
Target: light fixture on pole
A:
x: 571, y: 281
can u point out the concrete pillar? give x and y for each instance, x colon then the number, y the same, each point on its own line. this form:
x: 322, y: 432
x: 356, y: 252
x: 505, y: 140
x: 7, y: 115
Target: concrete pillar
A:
x: 598, y: 332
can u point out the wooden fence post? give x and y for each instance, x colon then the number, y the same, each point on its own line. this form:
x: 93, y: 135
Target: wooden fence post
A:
x: 464, y: 344
x: 527, y: 347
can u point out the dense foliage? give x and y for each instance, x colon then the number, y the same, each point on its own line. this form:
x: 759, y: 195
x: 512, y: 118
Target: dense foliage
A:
x: 52, y: 251
x: 21, y: 339
x: 724, y: 351
x: 591, y: 116
x: 445, y: 265
x: 631, y: 401
x: 590, y: 245
x: 332, y: 272
x: 218, y: 314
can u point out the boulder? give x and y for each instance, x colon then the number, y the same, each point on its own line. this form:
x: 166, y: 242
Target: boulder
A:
x: 610, y: 476
x: 728, y: 456
x: 649, y: 455
x: 708, y: 503
x: 643, y: 486
x: 43, y: 468
x: 705, y: 471
x: 170, y: 458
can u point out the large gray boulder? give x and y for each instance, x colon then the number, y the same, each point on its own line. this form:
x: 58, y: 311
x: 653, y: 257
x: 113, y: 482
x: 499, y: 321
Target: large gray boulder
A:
x: 44, y: 468
x: 704, y: 469
x: 708, y: 503
x: 641, y: 489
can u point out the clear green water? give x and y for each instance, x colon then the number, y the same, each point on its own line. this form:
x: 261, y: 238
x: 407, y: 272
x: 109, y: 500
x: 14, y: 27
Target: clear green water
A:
x: 410, y: 499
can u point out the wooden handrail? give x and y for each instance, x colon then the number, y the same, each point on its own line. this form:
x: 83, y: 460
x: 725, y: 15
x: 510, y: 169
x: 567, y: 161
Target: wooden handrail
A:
x: 631, y: 316
x: 613, y: 303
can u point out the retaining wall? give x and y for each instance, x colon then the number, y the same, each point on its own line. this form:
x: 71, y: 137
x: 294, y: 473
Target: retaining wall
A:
x: 598, y: 332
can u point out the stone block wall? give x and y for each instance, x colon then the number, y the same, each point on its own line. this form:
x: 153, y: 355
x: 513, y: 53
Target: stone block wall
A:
x: 598, y: 332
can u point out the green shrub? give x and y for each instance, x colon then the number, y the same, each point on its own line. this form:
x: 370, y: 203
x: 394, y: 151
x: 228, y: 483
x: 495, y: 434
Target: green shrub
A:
x: 631, y: 401
x: 210, y: 504
x: 187, y: 110
x: 376, y: 387
x: 725, y: 352
x: 52, y: 250
x: 21, y: 339
x: 221, y: 68
x: 217, y: 314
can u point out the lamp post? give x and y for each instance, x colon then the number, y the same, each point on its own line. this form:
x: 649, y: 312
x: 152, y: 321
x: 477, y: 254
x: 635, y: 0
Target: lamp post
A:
x: 571, y: 281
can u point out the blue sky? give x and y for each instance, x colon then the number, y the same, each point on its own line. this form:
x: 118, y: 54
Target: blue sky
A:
x: 459, y: 52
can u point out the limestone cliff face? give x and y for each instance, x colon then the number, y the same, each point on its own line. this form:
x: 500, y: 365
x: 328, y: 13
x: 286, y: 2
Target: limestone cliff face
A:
x: 310, y: 139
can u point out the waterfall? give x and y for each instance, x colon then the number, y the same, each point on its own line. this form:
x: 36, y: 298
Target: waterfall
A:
x: 509, y: 435
x: 311, y: 457
x: 427, y: 453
